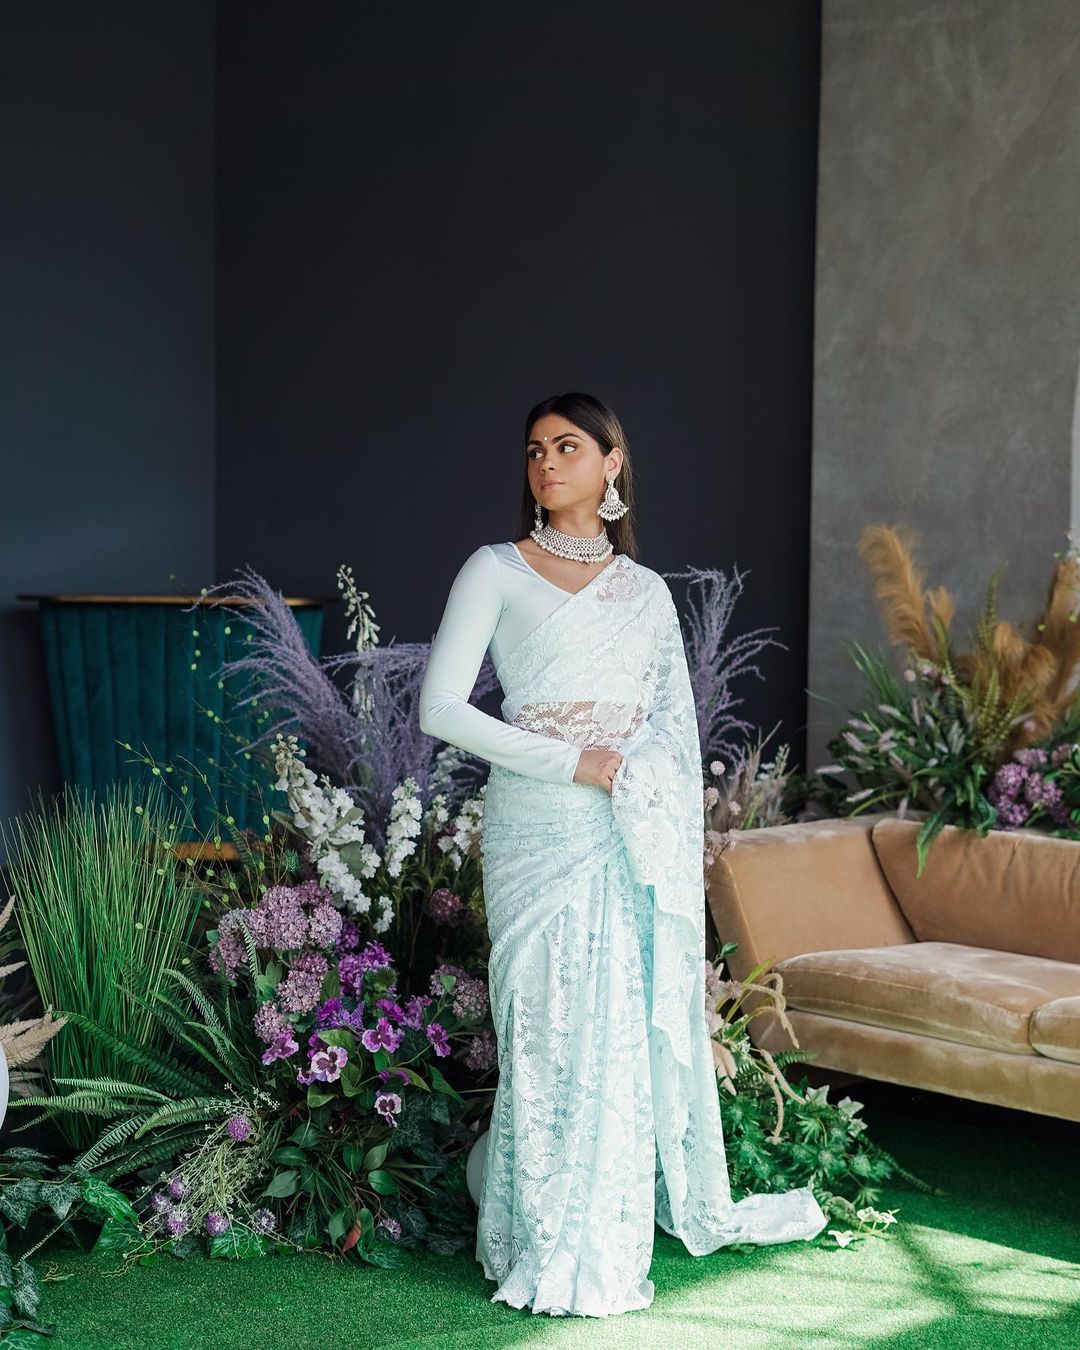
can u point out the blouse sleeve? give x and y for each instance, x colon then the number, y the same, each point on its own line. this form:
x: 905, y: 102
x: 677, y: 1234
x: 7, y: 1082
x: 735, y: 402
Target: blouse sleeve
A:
x: 457, y: 651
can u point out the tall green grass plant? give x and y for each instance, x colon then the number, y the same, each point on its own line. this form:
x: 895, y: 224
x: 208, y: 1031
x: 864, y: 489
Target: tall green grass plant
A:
x: 104, y: 909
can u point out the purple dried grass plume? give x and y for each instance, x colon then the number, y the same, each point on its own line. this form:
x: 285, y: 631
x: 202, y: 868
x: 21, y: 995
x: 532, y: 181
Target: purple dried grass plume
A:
x: 715, y: 660
x: 368, y: 749
x: 283, y: 673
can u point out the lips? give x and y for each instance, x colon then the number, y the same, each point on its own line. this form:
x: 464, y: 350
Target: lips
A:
x: 551, y: 483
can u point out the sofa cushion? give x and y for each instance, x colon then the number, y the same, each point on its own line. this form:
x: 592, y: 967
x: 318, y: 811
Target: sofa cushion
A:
x: 1055, y: 1030
x: 1012, y: 890
x: 941, y: 989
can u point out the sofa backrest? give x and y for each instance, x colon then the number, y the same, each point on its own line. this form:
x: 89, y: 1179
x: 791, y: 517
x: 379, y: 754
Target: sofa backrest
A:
x: 1011, y: 890
x: 808, y: 887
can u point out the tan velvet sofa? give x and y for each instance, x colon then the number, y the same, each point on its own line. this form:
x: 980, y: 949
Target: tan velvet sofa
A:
x: 965, y: 980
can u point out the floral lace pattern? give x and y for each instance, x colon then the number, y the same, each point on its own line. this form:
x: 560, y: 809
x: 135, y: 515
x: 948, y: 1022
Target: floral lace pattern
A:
x: 607, y: 1112
x: 596, y: 722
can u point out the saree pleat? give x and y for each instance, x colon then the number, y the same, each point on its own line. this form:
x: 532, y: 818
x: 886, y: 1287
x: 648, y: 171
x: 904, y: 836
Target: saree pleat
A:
x: 607, y: 1115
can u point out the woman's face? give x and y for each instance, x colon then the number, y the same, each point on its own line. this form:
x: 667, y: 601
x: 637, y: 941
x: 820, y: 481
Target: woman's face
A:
x: 566, y: 467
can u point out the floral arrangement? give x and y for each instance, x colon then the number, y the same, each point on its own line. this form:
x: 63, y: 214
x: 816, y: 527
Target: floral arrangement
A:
x: 961, y: 735
x: 781, y: 1136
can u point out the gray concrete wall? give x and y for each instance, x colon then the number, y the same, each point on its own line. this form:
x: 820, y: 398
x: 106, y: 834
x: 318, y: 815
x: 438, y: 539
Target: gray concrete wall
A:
x: 947, y: 324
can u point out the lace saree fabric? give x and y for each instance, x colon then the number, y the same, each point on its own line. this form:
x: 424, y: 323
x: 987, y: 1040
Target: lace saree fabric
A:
x: 607, y: 1112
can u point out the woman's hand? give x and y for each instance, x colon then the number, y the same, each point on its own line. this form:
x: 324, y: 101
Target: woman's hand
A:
x: 597, y: 768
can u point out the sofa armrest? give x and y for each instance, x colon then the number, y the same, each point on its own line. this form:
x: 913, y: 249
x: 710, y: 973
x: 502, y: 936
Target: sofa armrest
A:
x: 812, y: 886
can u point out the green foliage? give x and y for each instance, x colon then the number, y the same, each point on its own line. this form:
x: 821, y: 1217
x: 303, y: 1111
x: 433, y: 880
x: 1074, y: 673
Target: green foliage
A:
x: 153, y: 1121
x: 922, y: 747
x: 103, y: 909
x: 780, y: 1136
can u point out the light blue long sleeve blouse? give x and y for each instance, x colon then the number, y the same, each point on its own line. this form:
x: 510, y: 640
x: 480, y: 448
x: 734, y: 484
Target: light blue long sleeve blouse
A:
x: 495, y: 601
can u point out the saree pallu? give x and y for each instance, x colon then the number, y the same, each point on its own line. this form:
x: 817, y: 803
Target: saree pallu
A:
x: 607, y: 1112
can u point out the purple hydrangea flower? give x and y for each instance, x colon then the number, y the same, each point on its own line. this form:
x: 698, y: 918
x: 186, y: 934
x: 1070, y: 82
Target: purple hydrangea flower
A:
x: 239, y: 1128
x: 177, y: 1222
x: 299, y: 990
x: 177, y: 1186
x: 392, y: 1227
x: 482, y: 1053
x: 439, y: 1039
x: 470, y: 1001
x: 382, y: 1037
x: 263, y: 1221
x: 325, y: 925
x: 445, y: 969
x: 281, y: 1047
x: 269, y: 1022
x: 159, y: 1202
x: 216, y: 1224
x: 286, y: 924
x: 444, y: 906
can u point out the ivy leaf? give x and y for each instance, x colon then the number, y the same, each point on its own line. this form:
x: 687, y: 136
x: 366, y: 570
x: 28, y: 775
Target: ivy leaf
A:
x: 118, y: 1235
x: 18, y: 1202
x: 25, y: 1291
x: 99, y: 1195
x: 238, y: 1244
x: 62, y: 1196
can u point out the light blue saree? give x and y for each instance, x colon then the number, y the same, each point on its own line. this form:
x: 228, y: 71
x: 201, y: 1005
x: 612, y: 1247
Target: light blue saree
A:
x: 607, y: 1114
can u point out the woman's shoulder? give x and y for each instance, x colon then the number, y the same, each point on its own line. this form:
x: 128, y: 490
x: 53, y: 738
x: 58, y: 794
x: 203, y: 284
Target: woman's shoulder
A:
x: 645, y: 575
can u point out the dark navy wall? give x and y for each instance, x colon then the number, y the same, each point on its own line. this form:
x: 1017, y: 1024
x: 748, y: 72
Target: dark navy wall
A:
x: 366, y: 239
x: 431, y: 217
x: 106, y: 324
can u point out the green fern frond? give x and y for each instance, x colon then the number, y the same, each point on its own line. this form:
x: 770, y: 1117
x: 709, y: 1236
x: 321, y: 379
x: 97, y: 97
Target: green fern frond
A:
x: 184, y: 1112
x: 166, y: 1073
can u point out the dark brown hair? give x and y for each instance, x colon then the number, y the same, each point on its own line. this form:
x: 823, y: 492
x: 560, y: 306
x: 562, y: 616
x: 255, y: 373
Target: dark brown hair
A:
x: 593, y: 416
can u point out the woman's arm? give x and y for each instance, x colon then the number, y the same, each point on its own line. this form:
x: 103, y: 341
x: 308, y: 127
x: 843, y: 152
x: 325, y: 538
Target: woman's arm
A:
x: 457, y: 651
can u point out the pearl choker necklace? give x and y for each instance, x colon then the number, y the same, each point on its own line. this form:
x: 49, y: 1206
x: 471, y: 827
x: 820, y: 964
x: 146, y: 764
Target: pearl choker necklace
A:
x: 572, y: 546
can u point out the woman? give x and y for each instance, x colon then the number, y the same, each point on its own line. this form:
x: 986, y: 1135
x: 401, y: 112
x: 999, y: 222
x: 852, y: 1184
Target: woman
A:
x: 606, y: 1114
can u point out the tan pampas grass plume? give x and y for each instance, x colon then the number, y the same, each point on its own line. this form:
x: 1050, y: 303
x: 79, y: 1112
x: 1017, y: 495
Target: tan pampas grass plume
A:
x: 1017, y: 687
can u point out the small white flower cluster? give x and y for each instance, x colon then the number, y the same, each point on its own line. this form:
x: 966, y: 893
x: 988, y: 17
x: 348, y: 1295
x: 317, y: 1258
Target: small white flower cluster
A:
x: 466, y: 835
x: 404, y: 825
x: 437, y: 813
x: 445, y: 764
x: 332, y: 822
x: 360, y: 614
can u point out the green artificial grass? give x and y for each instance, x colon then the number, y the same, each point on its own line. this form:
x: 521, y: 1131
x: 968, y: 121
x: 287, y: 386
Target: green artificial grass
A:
x: 995, y: 1262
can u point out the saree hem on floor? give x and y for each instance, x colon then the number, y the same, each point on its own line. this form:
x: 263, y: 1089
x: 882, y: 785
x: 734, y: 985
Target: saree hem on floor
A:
x: 607, y: 1113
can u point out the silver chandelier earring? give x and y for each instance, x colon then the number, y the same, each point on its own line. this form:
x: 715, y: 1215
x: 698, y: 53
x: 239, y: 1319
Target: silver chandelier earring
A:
x: 612, y: 507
